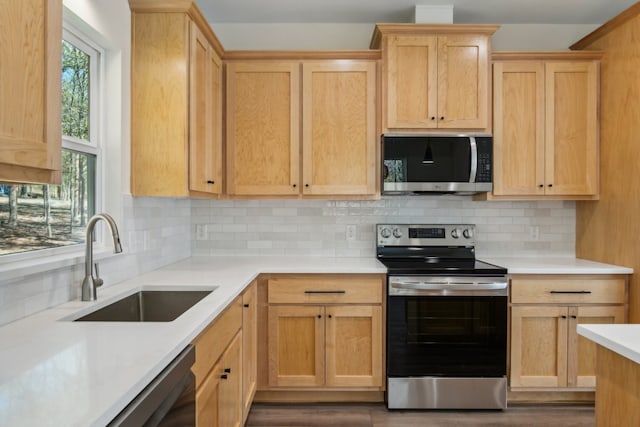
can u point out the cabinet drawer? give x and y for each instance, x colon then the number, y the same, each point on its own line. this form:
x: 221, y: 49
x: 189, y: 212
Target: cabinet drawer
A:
x: 568, y: 290
x: 214, y: 340
x: 325, y: 290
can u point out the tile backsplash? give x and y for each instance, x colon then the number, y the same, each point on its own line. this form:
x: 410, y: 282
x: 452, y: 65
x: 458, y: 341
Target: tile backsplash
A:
x: 319, y: 228
x: 153, y: 232
x: 159, y: 231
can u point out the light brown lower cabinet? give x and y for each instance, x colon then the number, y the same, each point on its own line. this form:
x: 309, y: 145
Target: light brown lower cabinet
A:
x: 546, y: 351
x: 249, y: 347
x: 218, y: 400
x: 220, y: 360
x: 314, y: 341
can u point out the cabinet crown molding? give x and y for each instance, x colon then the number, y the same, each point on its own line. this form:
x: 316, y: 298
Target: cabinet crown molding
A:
x: 188, y: 7
x: 416, y: 29
x: 561, y: 55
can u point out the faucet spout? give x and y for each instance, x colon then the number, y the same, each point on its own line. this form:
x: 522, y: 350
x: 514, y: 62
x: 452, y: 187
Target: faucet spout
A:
x: 90, y: 283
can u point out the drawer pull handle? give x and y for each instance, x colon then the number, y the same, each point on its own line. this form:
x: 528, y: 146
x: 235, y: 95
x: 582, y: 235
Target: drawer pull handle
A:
x: 325, y: 292
x: 569, y: 292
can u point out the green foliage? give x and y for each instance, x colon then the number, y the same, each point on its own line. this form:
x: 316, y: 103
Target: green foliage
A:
x: 75, y: 92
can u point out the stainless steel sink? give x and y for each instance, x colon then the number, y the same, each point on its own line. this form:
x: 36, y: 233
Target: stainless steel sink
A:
x: 147, y: 306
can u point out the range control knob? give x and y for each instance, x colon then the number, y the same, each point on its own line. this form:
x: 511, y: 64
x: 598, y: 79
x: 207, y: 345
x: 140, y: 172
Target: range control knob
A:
x: 468, y: 233
x: 385, y: 232
x: 397, y: 233
x: 455, y: 233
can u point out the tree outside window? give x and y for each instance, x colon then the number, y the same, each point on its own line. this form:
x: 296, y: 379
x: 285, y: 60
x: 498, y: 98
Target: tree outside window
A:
x: 34, y: 217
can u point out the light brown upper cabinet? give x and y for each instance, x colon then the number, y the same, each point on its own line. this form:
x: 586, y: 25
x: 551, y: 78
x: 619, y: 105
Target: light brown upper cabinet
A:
x: 301, y: 128
x: 436, y: 78
x: 546, y: 125
x: 263, y: 138
x: 338, y: 127
x: 205, y: 116
x: 30, y: 79
x: 176, y: 111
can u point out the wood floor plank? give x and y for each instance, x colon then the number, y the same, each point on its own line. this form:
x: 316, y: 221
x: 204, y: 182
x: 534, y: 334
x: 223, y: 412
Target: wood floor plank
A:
x: 376, y: 415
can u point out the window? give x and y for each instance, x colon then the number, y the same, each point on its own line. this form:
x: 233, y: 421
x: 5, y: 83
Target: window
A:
x: 35, y: 217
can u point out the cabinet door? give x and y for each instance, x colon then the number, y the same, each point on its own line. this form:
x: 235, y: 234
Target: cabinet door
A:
x: 263, y: 140
x: 230, y: 390
x: 582, y: 351
x: 354, y: 346
x: 207, y: 398
x: 249, y: 347
x: 296, y: 346
x: 30, y: 79
x: 339, y: 127
x: 411, y: 82
x: 518, y: 134
x: 571, y: 128
x: 538, y: 346
x: 463, y: 81
x: 159, y: 104
x: 205, y: 116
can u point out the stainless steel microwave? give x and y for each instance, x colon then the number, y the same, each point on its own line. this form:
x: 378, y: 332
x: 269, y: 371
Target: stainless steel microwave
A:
x: 436, y: 164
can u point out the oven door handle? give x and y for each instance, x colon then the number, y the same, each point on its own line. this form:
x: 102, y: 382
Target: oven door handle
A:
x: 407, y: 286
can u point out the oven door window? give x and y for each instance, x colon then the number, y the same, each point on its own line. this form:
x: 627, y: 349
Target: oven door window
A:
x: 447, y: 336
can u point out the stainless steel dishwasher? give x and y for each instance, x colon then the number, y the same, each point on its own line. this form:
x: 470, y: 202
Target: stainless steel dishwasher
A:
x: 169, y: 400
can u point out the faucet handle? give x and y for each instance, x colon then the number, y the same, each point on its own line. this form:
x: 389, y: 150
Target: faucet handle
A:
x: 97, y: 280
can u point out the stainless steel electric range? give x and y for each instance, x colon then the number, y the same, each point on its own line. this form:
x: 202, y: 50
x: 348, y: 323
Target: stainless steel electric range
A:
x: 446, y: 319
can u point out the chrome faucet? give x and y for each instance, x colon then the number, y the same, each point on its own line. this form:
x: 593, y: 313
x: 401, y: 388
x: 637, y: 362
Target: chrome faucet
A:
x: 90, y: 283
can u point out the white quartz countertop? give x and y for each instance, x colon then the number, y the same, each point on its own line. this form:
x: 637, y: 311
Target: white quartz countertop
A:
x: 623, y: 339
x: 555, y: 265
x: 55, y: 372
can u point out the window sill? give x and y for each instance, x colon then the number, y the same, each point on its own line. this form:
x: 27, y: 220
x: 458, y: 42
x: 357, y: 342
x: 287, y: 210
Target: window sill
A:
x: 27, y: 264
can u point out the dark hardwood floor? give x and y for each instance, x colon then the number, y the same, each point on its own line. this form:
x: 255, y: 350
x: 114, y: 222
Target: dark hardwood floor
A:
x: 376, y: 415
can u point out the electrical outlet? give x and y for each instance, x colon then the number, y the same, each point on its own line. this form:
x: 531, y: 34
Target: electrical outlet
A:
x: 201, y: 232
x: 534, y: 232
x: 351, y: 232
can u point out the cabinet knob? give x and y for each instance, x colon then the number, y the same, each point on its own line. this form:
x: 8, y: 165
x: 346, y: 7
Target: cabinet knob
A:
x: 319, y: 316
x: 541, y: 185
x: 433, y: 117
x: 223, y: 376
x: 550, y: 185
x: 329, y: 316
x: 294, y: 185
x: 227, y: 370
x: 211, y: 182
x: 564, y: 317
x: 441, y: 117
x: 574, y: 317
x: 306, y: 185
x: 246, y: 305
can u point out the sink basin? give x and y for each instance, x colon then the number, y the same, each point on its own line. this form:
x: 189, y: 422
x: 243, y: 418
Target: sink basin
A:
x: 147, y: 306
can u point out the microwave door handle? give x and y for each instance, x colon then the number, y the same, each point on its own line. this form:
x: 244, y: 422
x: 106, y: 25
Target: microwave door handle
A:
x: 474, y: 158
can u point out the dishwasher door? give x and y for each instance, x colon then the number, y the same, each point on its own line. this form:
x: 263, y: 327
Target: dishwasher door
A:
x: 169, y: 400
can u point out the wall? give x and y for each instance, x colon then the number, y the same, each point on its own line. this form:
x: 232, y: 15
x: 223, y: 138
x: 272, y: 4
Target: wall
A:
x: 318, y: 228
x: 608, y: 230
x: 306, y: 227
x: 154, y: 232
x: 258, y: 36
